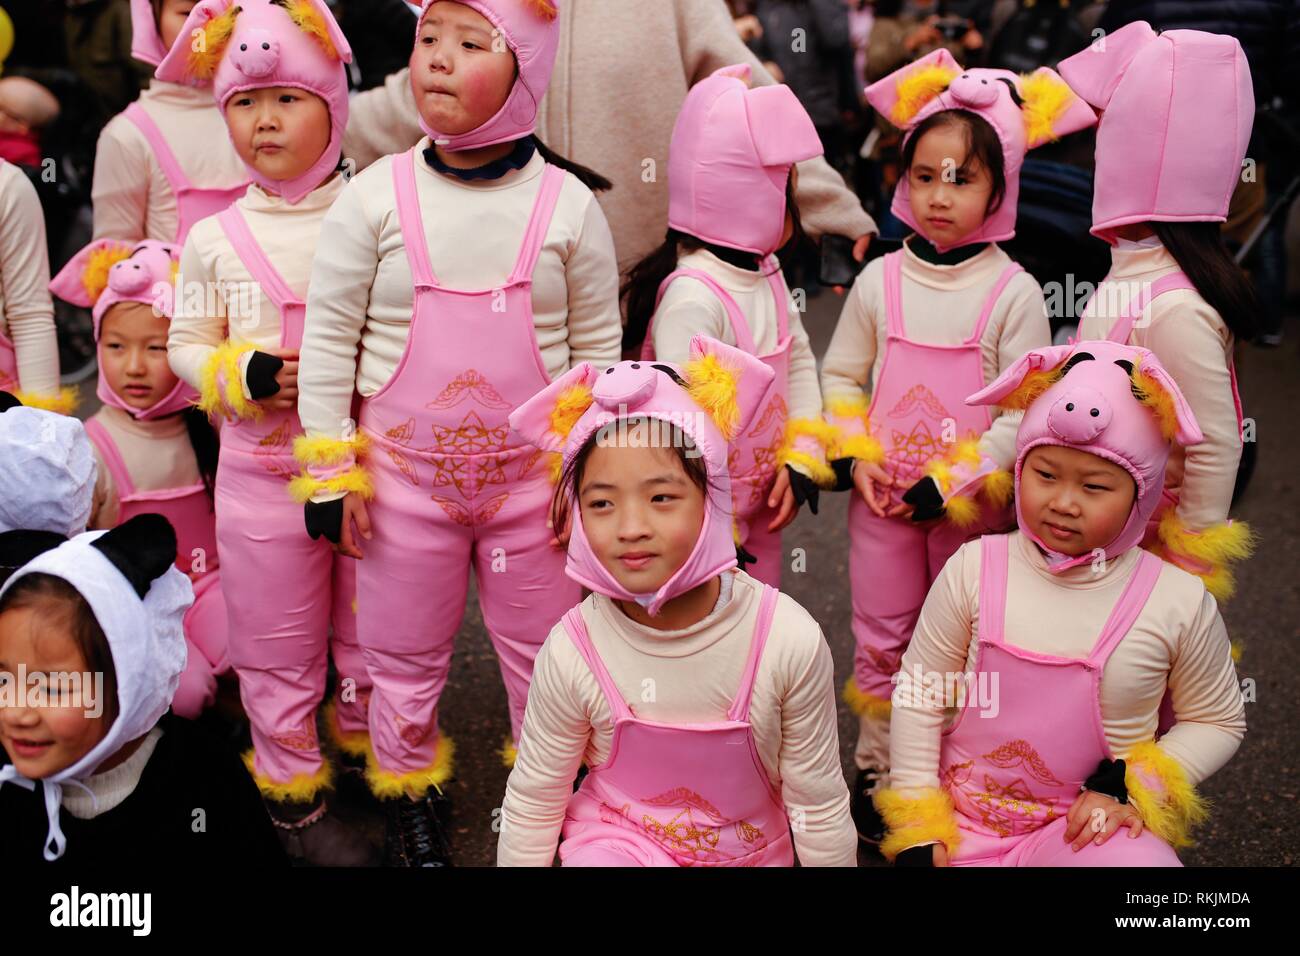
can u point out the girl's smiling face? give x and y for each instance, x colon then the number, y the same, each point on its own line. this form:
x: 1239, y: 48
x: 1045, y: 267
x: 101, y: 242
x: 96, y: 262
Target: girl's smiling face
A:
x: 948, y: 189
x: 462, y: 71
x: 281, y: 131
x: 1074, y: 501
x: 133, y: 354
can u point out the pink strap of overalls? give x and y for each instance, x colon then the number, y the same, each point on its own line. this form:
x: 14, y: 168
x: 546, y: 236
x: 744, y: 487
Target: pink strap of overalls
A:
x: 894, y: 297
x: 1123, y: 327
x: 739, y: 324
x: 272, y: 283
x: 176, y: 177
x: 98, y: 434
x: 412, y: 222
x: 994, y: 560
x: 576, y: 628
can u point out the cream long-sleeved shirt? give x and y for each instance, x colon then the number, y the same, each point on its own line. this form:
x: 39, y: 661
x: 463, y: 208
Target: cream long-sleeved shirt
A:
x: 689, y: 307
x: 941, y: 305
x: 362, y: 293
x: 26, y: 309
x: 157, y: 454
x: 217, y: 297
x: 695, y: 673
x: 1195, y: 346
x: 131, y: 195
x: 1178, y: 641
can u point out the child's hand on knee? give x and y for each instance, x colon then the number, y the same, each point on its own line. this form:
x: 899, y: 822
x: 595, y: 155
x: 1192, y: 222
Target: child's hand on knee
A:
x: 870, y: 480
x: 1094, y: 817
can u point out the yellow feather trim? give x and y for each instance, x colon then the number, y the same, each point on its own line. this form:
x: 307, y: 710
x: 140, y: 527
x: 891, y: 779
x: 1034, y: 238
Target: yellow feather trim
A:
x: 1170, y: 814
x: 814, y: 468
x: 1033, y: 385
x: 864, y: 704
x: 556, y: 467
x: 1219, y: 546
x: 916, y: 89
x: 62, y: 402
x: 962, y: 511
x: 355, y: 480
x: 308, y: 19
x: 1238, y: 648
x: 300, y: 788
x: 862, y: 447
x: 999, y: 486
x: 387, y: 785
x: 94, y: 278
x: 1153, y: 395
x: 545, y: 9
x: 569, y: 407
x: 322, y: 451
x: 509, y: 752
x: 816, y: 428
x: 713, y: 386
x: 916, y: 820
x: 230, y: 401
x: 939, y: 470
x: 966, y: 452
x: 354, y: 743
x: 849, y: 407
x: 211, y: 43
x: 1044, y: 99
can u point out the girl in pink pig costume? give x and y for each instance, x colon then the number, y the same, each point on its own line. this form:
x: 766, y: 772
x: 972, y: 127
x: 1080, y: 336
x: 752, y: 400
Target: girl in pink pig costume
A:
x: 1176, y: 114
x: 702, y: 699
x: 1054, y: 746
x: 164, y: 162
x: 155, y: 452
x: 453, y: 281
x: 926, y: 326
x: 279, y: 75
x: 730, y: 209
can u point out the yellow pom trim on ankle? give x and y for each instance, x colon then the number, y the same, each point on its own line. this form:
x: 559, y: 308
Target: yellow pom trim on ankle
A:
x: 509, y: 753
x: 355, y: 480
x: 915, y: 820
x: 1172, y: 811
x: 387, y: 785
x: 62, y: 402
x: 354, y: 743
x: 864, y: 704
x: 300, y: 788
x: 230, y: 401
x: 323, y: 452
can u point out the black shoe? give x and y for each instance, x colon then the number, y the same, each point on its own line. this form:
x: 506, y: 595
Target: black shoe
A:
x: 417, y: 830
x: 871, y: 828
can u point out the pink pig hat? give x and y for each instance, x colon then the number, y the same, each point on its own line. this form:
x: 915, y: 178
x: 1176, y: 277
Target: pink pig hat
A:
x: 713, y: 398
x: 1110, y: 400
x: 1178, y: 109
x: 730, y: 159
x: 1025, y: 111
x: 531, y: 29
x: 253, y: 44
x: 109, y: 271
x: 146, y: 41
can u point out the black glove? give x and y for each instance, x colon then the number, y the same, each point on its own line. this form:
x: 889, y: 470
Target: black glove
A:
x: 743, y: 557
x: 922, y: 856
x: 926, y: 500
x: 1109, y: 780
x: 843, y: 468
x: 8, y: 401
x: 325, y: 518
x: 804, y: 488
x: 262, y: 370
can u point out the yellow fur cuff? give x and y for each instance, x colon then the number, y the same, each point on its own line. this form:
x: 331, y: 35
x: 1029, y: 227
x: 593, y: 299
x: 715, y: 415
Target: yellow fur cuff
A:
x: 862, y: 447
x: 962, y: 511
x: 1219, y: 546
x: 323, y: 452
x: 356, y: 480
x: 864, y: 704
x: 387, y: 785
x: 916, y: 820
x: 301, y: 788
x: 1162, y: 795
x: 509, y: 753
x: 805, y: 463
x: 354, y: 743
x: 63, y: 402
x: 999, y: 486
x: 816, y: 428
x: 221, y: 383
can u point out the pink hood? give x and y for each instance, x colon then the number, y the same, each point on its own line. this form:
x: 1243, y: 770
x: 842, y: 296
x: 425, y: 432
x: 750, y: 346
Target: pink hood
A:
x: 730, y: 158
x: 564, y: 415
x: 1082, y: 396
x: 146, y: 41
x: 1178, y: 113
x: 531, y: 29
x: 254, y: 44
x: 1048, y: 109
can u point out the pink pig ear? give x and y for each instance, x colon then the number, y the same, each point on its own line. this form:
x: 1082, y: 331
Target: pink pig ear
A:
x: 1050, y: 108
x: 546, y: 419
x: 783, y: 131
x: 84, y: 278
x: 1031, y: 375
x: 198, y: 48
x: 1096, y: 70
x: 1161, y: 394
x: 729, y: 384
x: 313, y: 17
x: 900, y: 96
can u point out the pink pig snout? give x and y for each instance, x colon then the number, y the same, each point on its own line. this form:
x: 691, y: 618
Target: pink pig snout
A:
x: 625, y: 384
x: 129, y: 278
x: 257, y: 53
x: 974, y: 91
x: 1079, y: 416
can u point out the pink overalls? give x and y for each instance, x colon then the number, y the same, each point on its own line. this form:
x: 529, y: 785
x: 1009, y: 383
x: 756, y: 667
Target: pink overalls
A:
x: 286, y: 589
x: 8, y: 365
x: 1013, y: 777
x: 192, y: 202
x: 752, y: 457
x: 918, y: 411
x: 454, y: 488
x: 677, y: 794
x: 190, y: 511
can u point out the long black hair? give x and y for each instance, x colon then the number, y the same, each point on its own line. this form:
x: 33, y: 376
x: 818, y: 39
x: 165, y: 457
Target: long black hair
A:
x: 641, y: 287
x: 203, y: 439
x: 588, y: 177
x: 1201, y: 254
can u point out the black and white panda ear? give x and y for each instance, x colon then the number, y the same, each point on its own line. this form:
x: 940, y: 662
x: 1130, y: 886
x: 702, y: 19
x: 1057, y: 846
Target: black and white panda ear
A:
x: 8, y: 401
x: 142, y: 548
x: 20, y: 546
